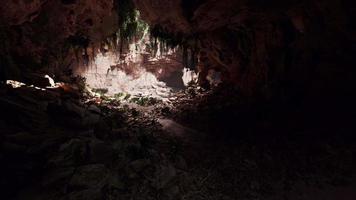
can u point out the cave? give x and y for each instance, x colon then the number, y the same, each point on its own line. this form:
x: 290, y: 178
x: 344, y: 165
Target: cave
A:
x: 177, y: 99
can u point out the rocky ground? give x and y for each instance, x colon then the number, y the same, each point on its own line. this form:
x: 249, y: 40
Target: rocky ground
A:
x: 58, y: 144
x: 54, y: 145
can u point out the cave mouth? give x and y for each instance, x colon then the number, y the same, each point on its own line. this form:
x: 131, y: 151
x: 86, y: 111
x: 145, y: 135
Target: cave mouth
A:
x: 137, y: 74
x: 137, y: 61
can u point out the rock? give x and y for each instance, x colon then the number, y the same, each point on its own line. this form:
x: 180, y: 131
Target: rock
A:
x: 74, y: 108
x: 90, y: 119
x: 166, y: 110
x: 57, y: 176
x: 171, y: 192
x: 181, y: 163
x: 94, y: 109
x: 8, y: 147
x: 89, y: 176
x: 70, y: 153
x: 139, y: 165
x: 87, y: 133
x: 165, y: 176
x: 115, y: 182
x: 89, y: 194
x: 75, y: 115
x: 48, y: 141
x: 119, y: 133
x: 102, y: 130
x: 23, y: 138
x: 17, y: 12
x: 100, y: 152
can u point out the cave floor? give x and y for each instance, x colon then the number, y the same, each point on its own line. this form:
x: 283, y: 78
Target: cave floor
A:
x: 55, y: 146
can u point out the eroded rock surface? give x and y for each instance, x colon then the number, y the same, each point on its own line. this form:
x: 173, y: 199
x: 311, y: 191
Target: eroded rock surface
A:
x: 260, y: 46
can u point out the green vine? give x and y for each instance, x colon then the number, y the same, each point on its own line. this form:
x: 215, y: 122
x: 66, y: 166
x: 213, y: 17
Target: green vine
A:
x: 130, y: 24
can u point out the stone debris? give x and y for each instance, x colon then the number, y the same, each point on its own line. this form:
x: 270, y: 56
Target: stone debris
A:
x: 78, y: 149
x: 64, y: 143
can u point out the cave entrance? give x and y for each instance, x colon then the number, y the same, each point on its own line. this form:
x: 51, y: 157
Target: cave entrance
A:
x: 137, y: 73
x: 144, y: 64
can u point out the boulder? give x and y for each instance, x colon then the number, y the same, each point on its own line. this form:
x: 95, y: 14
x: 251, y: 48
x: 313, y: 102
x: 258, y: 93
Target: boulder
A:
x: 57, y: 176
x: 89, y: 176
x: 70, y: 153
x: 165, y: 176
x: 94, y: 109
x: 89, y: 194
x: 100, y: 152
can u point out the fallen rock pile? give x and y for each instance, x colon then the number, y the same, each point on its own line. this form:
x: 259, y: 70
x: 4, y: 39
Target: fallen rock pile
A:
x: 55, y: 145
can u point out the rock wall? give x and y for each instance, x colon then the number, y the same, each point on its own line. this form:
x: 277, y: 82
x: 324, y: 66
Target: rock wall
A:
x: 45, y: 33
x: 138, y: 71
x: 266, y: 47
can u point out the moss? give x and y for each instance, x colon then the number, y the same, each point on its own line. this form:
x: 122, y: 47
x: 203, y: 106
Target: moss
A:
x: 100, y: 91
x: 118, y: 96
x: 145, y: 101
x: 127, y: 96
x: 130, y: 24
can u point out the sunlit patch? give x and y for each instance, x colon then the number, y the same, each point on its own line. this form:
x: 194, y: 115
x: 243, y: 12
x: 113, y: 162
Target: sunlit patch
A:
x: 15, y: 84
x: 37, y: 88
x: 138, y: 82
x: 189, y: 76
x: 50, y: 80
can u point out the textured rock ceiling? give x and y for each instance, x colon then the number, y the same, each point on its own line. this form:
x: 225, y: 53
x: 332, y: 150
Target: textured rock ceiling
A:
x: 255, y: 44
x: 260, y: 44
x: 38, y: 30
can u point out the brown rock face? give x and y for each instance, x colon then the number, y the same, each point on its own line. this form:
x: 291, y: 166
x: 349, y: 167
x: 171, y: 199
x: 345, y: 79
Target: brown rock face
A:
x: 260, y: 47
x: 167, y: 13
x: 264, y: 46
x: 40, y: 33
x: 20, y: 11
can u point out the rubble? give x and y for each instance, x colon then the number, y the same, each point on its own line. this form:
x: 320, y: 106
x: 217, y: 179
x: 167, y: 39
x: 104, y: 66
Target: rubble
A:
x: 84, y: 149
x: 81, y: 146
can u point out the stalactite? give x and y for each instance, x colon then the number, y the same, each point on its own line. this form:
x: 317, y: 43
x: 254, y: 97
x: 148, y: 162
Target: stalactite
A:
x: 93, y: 52
x: 161, y: 46
x: 194, y: 59
x: 185, y: 56
x: 76, y: 53
x: 114, y: 41
x: 121, y: 45
x: 155, y: 47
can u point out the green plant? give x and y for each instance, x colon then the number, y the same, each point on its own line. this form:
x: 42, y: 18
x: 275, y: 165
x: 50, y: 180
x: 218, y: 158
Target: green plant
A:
x: 81, y: 83
x: 145, y: 101
x: 119, y: 95
x: 127, y: 96
x: 130, y: 24
x: 100, y: 91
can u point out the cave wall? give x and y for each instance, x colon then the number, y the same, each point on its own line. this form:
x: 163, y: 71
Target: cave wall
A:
x: 266, y: 47
x: 50, y: 35
x: 138, y: 70
x: 262, y: 48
